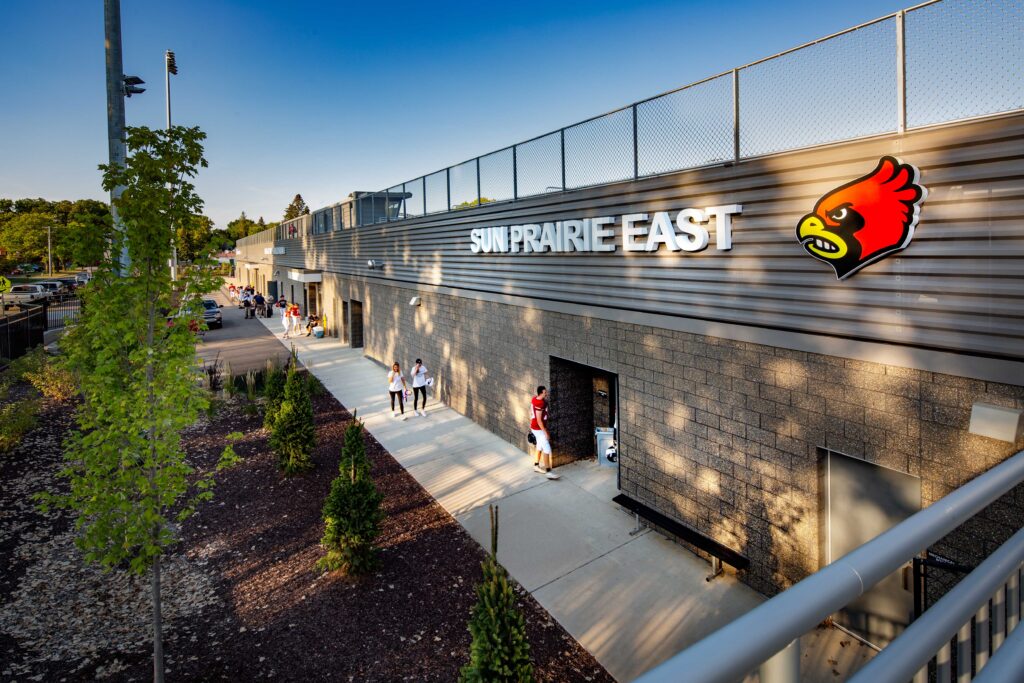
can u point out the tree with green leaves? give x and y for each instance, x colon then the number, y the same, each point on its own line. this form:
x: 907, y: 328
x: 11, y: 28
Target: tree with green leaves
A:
x: 296, y: 208
x: 352, y: 513
x: 294, y: 434
x: 499, y: 651
x: 127, y: 473
x: 192, y: 238
x: 273, y: 392
x: 472, y: 203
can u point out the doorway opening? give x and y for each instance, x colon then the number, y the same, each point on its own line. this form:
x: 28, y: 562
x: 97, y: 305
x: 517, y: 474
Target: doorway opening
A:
x: 312, y: 294
x: 584, y: 399
x: 356, y: 323
x: 859, y: 500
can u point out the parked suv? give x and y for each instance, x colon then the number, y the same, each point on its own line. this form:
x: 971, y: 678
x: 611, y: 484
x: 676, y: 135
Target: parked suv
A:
x: 25, y: 294
x: 52, y: 287
x: 212, y: 315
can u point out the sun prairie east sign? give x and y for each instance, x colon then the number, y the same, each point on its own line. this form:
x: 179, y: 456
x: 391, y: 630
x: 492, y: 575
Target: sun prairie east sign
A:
x: 685, y: 230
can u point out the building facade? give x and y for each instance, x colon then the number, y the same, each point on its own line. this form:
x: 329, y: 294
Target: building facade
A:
x: 753, y: 330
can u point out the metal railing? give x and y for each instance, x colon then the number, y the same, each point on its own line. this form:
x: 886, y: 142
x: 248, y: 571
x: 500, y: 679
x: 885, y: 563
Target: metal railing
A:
x: 755, y: 639
x: 21, y: 331
x: 938, y: 62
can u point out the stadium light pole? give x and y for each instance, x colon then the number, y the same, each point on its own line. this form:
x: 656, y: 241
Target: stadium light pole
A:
x: 170, y: 67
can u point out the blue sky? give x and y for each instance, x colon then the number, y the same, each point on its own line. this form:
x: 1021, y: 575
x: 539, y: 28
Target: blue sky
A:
x: 324, y: 98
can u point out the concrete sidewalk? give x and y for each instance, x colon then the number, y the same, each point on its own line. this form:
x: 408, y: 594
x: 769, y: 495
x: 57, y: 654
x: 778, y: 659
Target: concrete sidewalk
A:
x: 632, y: 601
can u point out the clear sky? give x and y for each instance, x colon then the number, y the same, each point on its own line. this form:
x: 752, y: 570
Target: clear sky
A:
x: 324, y: 98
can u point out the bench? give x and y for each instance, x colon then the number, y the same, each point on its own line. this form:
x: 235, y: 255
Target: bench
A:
x: 719, y: 553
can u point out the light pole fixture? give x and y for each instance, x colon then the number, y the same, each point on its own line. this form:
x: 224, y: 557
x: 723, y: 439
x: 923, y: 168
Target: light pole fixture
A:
x: 375, y: 265
x: 171, y: 68
x: 131, y: 86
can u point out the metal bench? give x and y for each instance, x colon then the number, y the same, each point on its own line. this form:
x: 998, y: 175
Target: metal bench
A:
x: 719, y: 553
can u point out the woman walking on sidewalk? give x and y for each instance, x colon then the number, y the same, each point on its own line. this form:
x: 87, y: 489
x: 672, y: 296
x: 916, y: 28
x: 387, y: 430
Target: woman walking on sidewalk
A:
x: 419, y: 386
x: 396, y: 387
x: 296, y: 318
x: 286, y: 320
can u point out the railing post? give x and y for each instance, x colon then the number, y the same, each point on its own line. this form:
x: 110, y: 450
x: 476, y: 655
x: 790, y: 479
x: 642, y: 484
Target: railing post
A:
x: 963, y: 653
x: 515, y: 173
x: 562, y: 135
x: 998, y: 618
x: 736, y: 115
x: 423, y: 184
x: 901, y: 72
x: 784, y: 666
x: 636, y: 149
x: 981, y: 626
x: 448, y: 187
x: 1012, y: 601
x: 479, y: 197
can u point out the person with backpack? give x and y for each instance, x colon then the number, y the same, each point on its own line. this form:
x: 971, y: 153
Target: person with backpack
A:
x: 539, y: 431
x: 397, y: 388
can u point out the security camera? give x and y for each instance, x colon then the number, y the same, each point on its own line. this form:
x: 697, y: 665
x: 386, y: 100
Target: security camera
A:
x: 372, y: 264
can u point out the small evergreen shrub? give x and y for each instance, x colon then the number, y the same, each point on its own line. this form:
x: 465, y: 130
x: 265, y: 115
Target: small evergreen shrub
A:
x: 352, y: 514
x: 353, y: 451
x: 499, y: 650
x: 16, y: 420
x: 273, y: 392
x: 294, y: 434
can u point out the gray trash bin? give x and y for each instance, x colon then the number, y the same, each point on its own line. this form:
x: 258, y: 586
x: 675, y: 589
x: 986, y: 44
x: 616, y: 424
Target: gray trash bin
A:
x: 605, y: 437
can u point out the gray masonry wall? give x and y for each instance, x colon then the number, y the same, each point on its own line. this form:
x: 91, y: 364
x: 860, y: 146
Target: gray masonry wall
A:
x: 721, y: 435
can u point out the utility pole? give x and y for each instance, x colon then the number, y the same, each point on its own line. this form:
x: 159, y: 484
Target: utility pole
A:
x: 115, y: 108
x: 171, y: 67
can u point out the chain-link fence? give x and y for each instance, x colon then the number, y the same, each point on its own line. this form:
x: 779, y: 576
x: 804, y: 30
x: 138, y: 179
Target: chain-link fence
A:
x: 939, y: 62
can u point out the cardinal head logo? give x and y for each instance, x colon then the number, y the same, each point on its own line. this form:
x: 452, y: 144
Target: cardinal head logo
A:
x: 864, y: 220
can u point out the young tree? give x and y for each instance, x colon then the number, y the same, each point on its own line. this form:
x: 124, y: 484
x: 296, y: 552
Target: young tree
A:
x: 296, y: 208
x: 294, y: 434
x: 352, y: 512
x: 138, y: 375
x: 499, y: 650
x: 273, y: 392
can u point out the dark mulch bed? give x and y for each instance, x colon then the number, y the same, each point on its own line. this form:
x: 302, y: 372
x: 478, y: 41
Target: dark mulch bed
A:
x: 281, y: 618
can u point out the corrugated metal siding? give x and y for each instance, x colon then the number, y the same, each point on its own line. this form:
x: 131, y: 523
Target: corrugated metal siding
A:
x: 959, y: 286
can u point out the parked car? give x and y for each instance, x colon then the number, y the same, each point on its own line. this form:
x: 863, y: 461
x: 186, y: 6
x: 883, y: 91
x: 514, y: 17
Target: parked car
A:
x: 212, y: 314
x: 25, y: 294
x: 83, y: 277
x: 70, y: 283
x: 17, y: 271
x: 52, y: 287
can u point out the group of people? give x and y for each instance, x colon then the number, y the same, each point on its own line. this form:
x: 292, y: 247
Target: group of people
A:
x: 291, y: 320
x: 252, y: 302
x: 398, y: 388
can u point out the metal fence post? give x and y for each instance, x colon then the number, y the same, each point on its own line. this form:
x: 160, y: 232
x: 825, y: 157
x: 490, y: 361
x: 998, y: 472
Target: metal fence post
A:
x: 901, y: 72
x: 636, y: 149
x: 736, y: 115
x: 448, y: 184
x: 784, y: 666
x: 479, y: 197
x: 515, y: 174
x: 562, y: 135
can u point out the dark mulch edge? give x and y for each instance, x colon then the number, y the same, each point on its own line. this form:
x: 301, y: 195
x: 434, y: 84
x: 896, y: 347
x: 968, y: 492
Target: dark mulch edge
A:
x: 281, y: 618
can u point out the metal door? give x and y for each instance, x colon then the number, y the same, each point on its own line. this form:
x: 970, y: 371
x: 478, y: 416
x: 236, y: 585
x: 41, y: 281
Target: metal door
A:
x: 356, y: 323
x: 862, y: 500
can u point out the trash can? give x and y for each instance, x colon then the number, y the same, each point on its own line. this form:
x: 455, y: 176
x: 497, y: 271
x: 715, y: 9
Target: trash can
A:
x: 606, y: 451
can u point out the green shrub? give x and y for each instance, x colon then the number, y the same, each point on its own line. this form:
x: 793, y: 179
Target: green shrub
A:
x: 352, y: 514
x: 47, y: 374
x: 273, y: 392
x: 499, y: 650
x: 294, y: 434
x: 16, y: 420
x: 353, y: 451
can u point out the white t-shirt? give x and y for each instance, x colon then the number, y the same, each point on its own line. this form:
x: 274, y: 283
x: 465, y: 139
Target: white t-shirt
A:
x: 395, y: 379
x: 419, y: 377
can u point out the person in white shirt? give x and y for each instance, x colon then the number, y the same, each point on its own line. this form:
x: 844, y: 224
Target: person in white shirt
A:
x: 396, y: 387
x: 286, y: 318
x: 419, y: 386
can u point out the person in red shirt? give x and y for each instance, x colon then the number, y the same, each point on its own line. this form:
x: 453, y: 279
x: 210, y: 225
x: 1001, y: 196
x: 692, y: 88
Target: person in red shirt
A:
x: 539, y: 428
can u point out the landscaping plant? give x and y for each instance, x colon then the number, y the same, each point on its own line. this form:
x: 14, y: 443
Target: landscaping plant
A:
x: 352, y: 512
x: 294, y: 434
x: 135, y: 358
x: 273, y: 392
x: 47, y: 374
x: 16, y: 420
x: 499, y: 651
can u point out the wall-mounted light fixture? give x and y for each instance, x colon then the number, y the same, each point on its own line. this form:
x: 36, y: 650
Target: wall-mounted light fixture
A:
x: 996, y: 422
x: 415, y: 301
x: 375, y: 265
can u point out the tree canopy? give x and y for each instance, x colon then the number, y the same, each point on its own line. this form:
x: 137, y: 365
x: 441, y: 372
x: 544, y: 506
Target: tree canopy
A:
x: 296, y: 208
x: 80, y: 231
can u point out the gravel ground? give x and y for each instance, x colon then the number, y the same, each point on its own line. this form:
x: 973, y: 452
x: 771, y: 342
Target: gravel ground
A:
x: 242, y: 598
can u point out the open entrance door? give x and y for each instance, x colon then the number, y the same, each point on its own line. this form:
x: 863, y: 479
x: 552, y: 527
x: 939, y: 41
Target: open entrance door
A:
x: 859, y: 501
x: 584, y: 400
x: 356, y: 323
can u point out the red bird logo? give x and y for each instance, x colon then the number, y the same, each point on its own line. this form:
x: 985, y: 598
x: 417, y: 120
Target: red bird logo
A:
x: 864, y: 220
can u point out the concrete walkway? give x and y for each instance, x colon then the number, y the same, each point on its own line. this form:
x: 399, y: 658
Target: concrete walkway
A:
x: 632, y: 601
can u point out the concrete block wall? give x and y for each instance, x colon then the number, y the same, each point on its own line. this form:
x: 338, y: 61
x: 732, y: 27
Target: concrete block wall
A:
x: 719, y: 434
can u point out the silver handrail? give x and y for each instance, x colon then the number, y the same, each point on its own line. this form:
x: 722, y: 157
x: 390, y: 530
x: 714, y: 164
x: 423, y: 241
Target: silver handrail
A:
x: 916, y: 646
x: 731, y: 652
